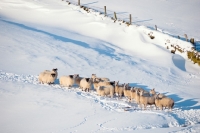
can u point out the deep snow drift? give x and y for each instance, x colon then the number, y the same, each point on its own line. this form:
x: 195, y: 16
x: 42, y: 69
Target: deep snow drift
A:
x: 38, y: 35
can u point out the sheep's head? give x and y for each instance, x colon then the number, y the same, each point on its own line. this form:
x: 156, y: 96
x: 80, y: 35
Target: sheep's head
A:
x: 152, y: 91
x: 133, y: 89
x: 117, y: 83
x: 141, y: 92
x: 112, y: 83
x: 55, y: 69
x: 53, y: 75
x: 94, y: 75
x: 87, y: 79
x: 71, y: 76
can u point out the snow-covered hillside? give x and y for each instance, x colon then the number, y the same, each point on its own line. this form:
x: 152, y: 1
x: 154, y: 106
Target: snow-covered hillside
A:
x: 37, y: 35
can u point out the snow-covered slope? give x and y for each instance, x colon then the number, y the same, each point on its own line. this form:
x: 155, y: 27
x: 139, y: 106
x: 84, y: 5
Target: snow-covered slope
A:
x: 37, y: 35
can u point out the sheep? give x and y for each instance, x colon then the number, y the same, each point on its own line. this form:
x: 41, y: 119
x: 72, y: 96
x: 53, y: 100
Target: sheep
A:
x: 127, y: 91
x: 55, y: 70
x: 47, y: 77
x: 119, y: 89
x: 99, y: 78
x: 85, y: 84
x: 146, y: 100
x: 107, y: 90
x: 164, y: 102
x: 78, y: 80
x: 153, y: 93
x: 133, y: 94
x: 137, y: 96
x: 67, y: 81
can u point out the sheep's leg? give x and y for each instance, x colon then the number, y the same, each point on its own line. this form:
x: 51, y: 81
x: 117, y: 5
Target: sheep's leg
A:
x: 145, y: 106
x: 141, y: 106
x: 161, y: 107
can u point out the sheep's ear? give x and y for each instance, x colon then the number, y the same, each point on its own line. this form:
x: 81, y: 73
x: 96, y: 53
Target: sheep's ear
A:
x: 71, y: 76
x: 153, y: 89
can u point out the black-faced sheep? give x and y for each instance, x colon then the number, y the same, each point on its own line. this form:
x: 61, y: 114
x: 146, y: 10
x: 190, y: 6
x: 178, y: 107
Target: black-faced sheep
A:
x: 55, y: 70
x: 67, y: 81
x: 47, y: 77
x: 85, y: 84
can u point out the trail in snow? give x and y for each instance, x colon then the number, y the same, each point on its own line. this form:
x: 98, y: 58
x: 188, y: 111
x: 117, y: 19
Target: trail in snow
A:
x: 181, y: 117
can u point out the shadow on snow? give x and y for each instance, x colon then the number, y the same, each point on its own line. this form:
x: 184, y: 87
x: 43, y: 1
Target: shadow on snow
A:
x: 108, y: 51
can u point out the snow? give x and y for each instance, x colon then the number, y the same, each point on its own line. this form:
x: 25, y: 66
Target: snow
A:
x: 37, y: 35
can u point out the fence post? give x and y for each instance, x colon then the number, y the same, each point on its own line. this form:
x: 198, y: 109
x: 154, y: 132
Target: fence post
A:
x: 192, y: 40
x: 105, y: 10
x: 130, y: 19
x: 115, y: 15
x: 156, y: 27
x: 79, y: 2
x: 186, y: 37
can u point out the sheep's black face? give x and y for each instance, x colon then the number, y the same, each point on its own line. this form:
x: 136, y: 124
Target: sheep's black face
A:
x: 112, y: 83
x: 55, y: 69
x: 53, y: 75
x: 71, y: 76
x: 87, y: 79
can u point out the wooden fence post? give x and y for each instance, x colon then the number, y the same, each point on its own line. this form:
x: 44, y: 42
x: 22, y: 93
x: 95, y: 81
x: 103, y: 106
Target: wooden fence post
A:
x: 186, y: 37
x: 79, y: 2
x: 115, y: 16
x: 130, y: 19
x: 105, y: 10
x: 192, y: 40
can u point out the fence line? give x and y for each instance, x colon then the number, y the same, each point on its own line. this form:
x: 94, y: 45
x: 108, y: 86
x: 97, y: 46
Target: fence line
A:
x: 119, y: 16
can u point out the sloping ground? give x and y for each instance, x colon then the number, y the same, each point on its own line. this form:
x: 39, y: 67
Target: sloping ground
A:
x: 42, y: 40
x: 31, y: 107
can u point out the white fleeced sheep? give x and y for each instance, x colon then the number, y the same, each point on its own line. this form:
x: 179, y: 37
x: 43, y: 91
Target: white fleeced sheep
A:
x: 137, y: 96
x: 119, y: 89
x: 146, y: 100
x: 133, y: 94
x: 107, y: 90
x: 85, y: 84
x: 127, y: 91
x: 47, y: 77
x: 99, y: 78
x: 67, y: 81
x: 164, y: 102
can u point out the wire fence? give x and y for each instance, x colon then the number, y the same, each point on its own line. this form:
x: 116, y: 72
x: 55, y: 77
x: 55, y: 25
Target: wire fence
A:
x: 126, y: 17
